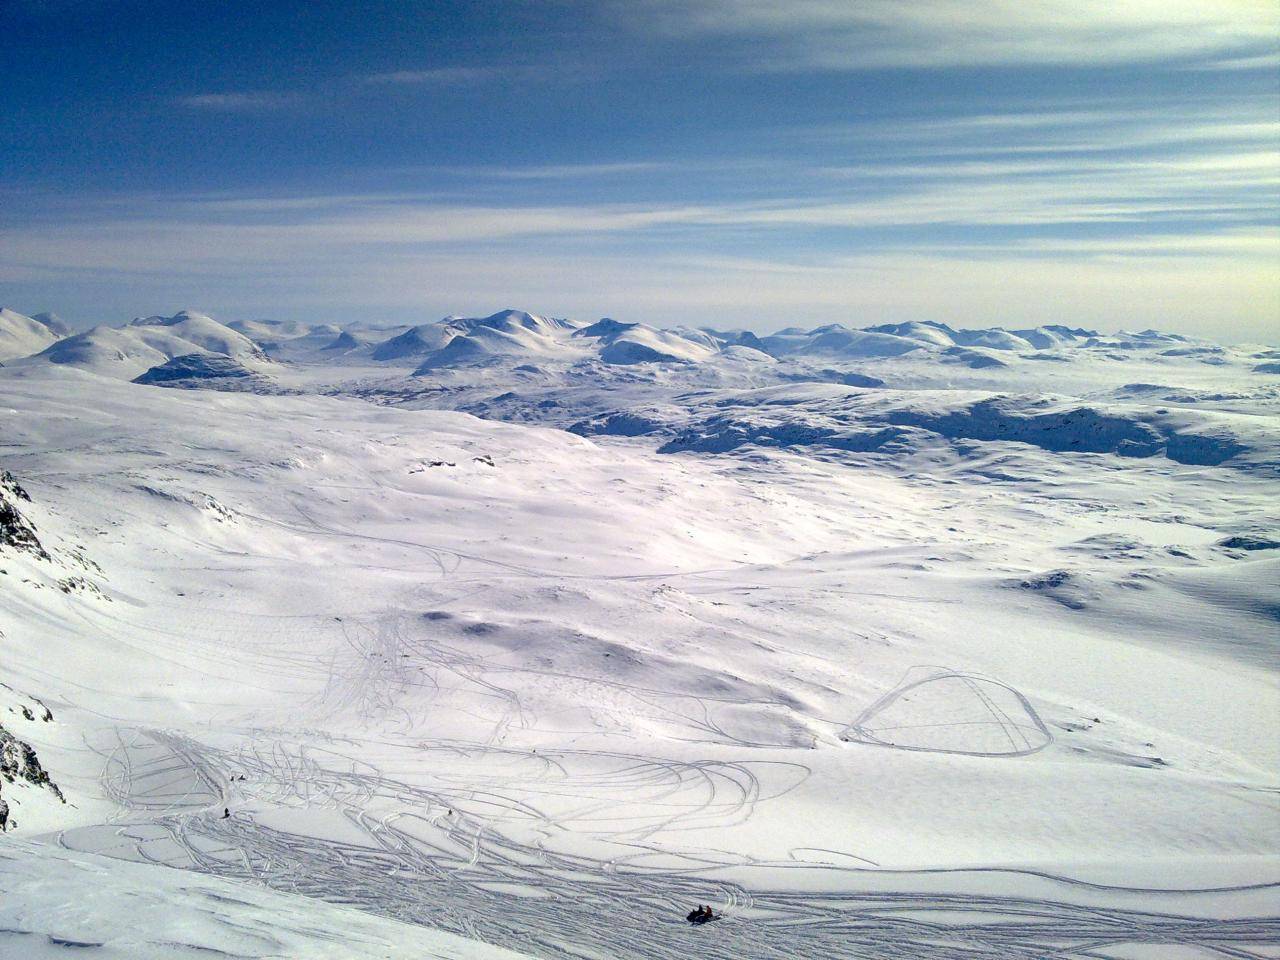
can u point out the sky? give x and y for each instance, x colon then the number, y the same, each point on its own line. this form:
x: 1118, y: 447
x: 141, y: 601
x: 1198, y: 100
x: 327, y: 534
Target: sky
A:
x: 728, y: 163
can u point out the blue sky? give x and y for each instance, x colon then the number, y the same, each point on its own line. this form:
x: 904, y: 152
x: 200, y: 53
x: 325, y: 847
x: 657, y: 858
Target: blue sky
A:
x: 703, y: 162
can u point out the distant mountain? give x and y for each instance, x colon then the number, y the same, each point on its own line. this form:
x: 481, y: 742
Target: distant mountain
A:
x: 458, y: 341
x: 415, y: 342
x: 204, y: 332
x: 736, y: 338
x: 21, y: 336
x: 344, y: 341
x: 276, y: 330
x: 53, y: 322
x: 835, y: 340
x: 1053, y: 335
x: 628, y: 343
x: 937, y: 334
x: 973, y: 359
x: 126, y: 352
x: 105, y: 350
x: 993, y: 338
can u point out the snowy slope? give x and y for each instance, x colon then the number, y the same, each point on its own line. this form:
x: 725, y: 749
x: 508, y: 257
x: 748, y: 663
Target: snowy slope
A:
x: 21, y: 336
x: 80, y: 905
x: 497, y: 679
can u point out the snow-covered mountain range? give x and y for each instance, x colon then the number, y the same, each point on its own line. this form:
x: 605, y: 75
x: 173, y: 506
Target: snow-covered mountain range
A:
x: 517, y: 335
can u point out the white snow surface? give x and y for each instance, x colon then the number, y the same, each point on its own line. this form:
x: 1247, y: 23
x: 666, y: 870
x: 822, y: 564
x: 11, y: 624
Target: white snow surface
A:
x: 978, y: 663
x: 79, y: 905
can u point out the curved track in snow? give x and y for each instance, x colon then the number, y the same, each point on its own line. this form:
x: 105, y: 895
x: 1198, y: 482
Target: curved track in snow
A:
x: 458, y: 856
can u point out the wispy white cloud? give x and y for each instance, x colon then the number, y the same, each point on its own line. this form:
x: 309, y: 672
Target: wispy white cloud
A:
x: 564, y: 171
x: 840, y: 35
x: 439, y: 76
x: 265, y: 101
x: 1205, y: 190
x: 1262, y: 61
x: 260, y: 101
x: 1067, y: 129
x: 255, y: 234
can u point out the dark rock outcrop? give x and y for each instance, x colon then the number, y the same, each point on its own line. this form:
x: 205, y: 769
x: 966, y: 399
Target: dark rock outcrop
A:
x: 17, y: 531
x: 210, y: 371
x: 18, y: 762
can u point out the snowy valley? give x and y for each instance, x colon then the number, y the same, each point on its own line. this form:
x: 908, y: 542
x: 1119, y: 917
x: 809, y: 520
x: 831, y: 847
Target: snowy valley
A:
x: 519, y: 636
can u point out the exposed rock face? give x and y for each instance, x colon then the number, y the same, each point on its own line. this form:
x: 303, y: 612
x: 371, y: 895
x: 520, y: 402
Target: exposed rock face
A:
x: 9, y: 483
x: 18, y: 760
x: 18, y: 539
x: 17, y: 531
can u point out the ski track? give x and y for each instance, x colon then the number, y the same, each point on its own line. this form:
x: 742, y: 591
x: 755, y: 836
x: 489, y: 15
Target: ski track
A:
x: 443, y: 859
